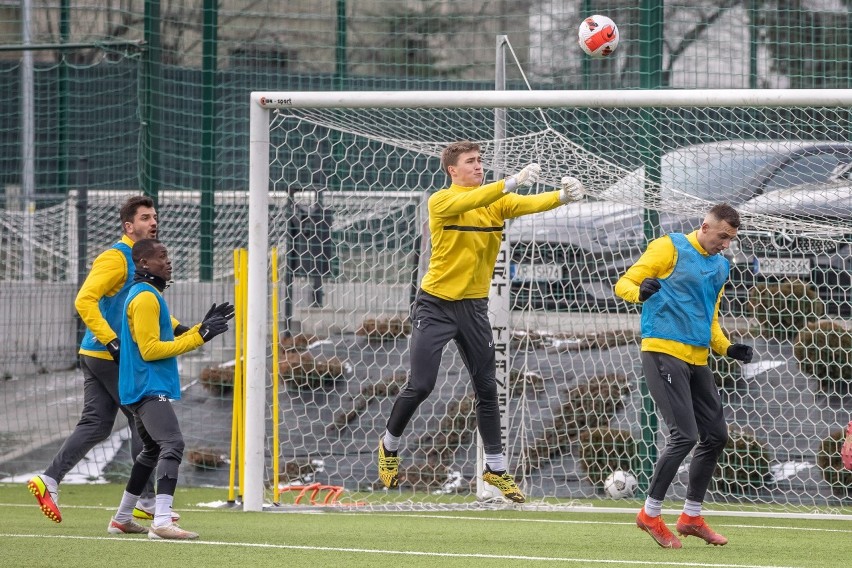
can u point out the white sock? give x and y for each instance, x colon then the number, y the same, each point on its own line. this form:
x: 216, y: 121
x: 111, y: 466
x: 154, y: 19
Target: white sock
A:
x: 52, y: 487
x: 692, y: 508
x: 495, y: 462
x: 163, y: 516
x: 52, y: 484
x: 391, y: 442
x: 125, y: 508
x: 653, y: 507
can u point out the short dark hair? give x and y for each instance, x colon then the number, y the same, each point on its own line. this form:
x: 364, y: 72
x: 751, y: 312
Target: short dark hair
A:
x: 131, y: 206
x: 726, y: 213
x: 450, y: 155
x: 143, y: 249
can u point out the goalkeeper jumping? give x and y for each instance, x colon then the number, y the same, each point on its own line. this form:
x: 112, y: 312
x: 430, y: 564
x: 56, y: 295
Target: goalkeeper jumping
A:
x: 466, y: 223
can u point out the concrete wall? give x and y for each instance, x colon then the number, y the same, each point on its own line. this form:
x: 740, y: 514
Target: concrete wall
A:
x: 39, y: 331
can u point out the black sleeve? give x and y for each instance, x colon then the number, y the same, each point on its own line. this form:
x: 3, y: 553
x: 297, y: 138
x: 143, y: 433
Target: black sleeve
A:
x: 180, y: 329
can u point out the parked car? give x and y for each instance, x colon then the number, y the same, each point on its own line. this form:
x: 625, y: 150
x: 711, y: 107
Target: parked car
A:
x: 818, y: 251
x: 570, y: 258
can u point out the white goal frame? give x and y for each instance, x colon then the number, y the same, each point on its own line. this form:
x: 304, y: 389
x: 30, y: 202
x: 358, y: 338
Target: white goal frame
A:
x: 263, y: 103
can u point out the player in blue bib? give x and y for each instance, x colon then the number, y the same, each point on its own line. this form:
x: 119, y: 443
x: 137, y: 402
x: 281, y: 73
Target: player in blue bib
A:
x: 679, y: 280
x: 149, y: 381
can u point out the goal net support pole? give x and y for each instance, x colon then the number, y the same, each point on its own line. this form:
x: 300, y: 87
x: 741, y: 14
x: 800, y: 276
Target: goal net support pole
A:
x: 498, y: 300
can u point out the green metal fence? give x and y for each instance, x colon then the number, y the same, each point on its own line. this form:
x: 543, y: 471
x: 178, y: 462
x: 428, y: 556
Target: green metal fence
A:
x: 153, y: 95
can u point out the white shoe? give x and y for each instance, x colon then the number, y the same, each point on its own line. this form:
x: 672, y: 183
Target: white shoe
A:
x: 130, y: 527
x: 170, y: 532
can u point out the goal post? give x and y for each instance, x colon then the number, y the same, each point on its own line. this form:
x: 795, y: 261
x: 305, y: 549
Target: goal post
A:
x: 257, y: 309
x: 575, y: 405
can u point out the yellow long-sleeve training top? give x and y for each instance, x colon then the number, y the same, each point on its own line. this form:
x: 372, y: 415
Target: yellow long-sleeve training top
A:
x: 658, y: 261
x: 143, y: 320
x: 106, y: 278
x: 466, y: 226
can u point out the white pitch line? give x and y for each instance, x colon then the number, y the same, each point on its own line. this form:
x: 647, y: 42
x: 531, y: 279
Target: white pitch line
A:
x: 417, y: 515
x: 584, y: 522
x: 99, y: 507
x: 385, y: 551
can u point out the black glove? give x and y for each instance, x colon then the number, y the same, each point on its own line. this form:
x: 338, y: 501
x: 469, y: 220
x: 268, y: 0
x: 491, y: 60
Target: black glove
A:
x: 212, y: 326
x: 741, y: 352
x: 114, y: 348
x: 226, y: 310
x: 648, y: 288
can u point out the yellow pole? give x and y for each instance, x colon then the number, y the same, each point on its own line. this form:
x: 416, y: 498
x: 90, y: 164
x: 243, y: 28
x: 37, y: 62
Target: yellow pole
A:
x: 244, y: 300
x: 275, y: 348
x: 237, y: 375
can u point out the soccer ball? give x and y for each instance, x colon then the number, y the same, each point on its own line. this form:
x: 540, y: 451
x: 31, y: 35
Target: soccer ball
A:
x: 620, y: 484
x: 598, y: 36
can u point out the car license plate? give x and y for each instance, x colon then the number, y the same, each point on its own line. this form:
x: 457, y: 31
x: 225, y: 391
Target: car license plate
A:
x: 537, y: 272
x: 783, y: 266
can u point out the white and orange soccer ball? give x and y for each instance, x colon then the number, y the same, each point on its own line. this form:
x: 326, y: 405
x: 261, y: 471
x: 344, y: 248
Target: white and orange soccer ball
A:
x: 620, y: 484
x: 598, y: 36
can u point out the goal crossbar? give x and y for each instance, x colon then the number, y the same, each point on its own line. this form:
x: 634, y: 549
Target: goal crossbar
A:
x: 555, y: 98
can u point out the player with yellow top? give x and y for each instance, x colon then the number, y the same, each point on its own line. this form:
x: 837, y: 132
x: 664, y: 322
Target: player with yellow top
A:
x: 99, y: 303
x: 149, y: 382
x: 466, y: 223
x: 679, y: 281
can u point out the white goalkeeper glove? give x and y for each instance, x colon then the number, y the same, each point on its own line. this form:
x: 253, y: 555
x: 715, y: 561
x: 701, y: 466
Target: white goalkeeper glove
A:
x: 527, y: 177
x: 572, y: 190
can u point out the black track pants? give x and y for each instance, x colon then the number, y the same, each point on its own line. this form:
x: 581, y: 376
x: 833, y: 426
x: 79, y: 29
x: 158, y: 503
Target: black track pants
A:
x: 688, y: 400
x: 163, y: 445
x: 435, y: 322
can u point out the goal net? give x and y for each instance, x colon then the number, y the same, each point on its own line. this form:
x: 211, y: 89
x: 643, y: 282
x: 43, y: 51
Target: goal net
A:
x: 355, y: 170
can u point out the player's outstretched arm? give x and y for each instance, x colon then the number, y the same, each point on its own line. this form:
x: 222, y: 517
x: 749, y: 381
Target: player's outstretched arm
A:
x: 144, y: 315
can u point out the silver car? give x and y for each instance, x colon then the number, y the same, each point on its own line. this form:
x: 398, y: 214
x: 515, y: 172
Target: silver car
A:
x: 570, y: 258
x: 819, y: 253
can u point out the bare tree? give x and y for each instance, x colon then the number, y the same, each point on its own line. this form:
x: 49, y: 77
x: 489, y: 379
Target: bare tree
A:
x: 701, y: 18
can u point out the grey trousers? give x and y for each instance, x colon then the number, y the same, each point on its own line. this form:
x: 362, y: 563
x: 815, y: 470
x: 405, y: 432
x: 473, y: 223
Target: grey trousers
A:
x: 436, y: 322
x: 100, y: 408
x: 162, y: 445
x: 688, y: 400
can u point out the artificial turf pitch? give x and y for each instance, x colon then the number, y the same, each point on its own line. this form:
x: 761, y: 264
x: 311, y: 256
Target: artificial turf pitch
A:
x: 355, y: 538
